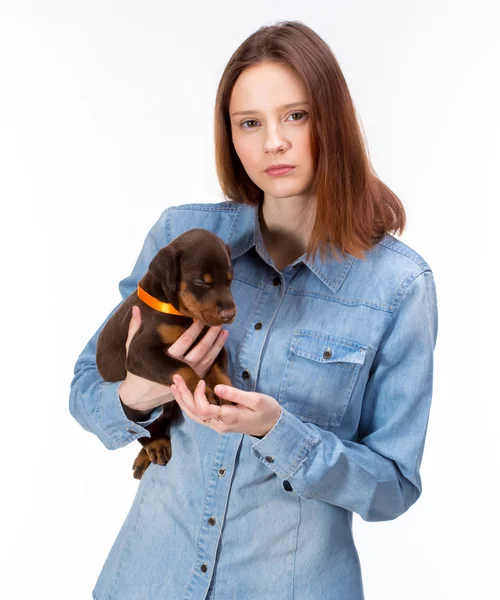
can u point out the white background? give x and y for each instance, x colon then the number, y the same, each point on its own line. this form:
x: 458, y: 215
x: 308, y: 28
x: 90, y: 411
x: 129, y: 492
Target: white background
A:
x: 106, y: 118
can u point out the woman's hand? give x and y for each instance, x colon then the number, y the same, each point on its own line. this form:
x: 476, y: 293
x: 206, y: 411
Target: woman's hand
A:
x: 255, y: 413
x: 141, y: 395
x: 201, y: 357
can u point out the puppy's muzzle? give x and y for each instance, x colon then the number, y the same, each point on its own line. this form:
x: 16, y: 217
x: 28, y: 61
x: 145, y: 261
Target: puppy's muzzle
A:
x: 227, y: 315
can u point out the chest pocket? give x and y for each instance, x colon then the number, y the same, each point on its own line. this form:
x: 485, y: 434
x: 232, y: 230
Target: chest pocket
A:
x: 319, y: 376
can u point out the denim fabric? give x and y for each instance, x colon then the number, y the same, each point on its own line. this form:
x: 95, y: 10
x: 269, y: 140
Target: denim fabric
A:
x: 346, y: 347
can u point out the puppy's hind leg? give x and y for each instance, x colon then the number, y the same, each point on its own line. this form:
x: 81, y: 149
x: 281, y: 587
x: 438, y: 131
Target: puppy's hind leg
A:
x: 158, y: 451
x: 141, y: 463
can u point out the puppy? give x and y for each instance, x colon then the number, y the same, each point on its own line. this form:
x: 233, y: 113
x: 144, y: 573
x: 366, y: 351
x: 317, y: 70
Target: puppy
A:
x: 188, y: 279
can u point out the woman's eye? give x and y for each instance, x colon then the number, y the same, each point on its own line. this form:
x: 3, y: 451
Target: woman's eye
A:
x: 248, y: 121
x: 301, y: 113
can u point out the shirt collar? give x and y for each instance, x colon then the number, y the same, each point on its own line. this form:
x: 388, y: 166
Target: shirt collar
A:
x: 246, y: 233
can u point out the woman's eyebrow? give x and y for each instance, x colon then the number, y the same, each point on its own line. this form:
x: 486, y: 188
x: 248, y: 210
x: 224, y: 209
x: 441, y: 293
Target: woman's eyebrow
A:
x: 249, y: 112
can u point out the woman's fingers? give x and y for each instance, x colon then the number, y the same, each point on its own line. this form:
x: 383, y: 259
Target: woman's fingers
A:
x: 201, y: 349
x: 183, y: 342
x: 208, y: 347
x: 183, y: 395
x: 195, y: 405
x: 133, y: 326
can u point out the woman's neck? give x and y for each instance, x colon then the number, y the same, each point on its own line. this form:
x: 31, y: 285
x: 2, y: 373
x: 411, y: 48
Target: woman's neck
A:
x: 286, y: 225
x: 286, y: 233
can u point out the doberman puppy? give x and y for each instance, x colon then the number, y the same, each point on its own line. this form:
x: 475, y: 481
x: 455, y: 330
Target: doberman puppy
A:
x: 188, y: 279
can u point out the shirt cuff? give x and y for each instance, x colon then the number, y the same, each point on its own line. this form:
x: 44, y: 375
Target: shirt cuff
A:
x: 113, y: 420
x: 285, y: 447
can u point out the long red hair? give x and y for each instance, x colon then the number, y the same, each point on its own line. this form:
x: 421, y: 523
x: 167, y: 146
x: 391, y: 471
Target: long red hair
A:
x: 355, y: 209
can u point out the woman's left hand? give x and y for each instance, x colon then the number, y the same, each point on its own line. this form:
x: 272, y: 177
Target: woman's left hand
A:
x: 254, y: 413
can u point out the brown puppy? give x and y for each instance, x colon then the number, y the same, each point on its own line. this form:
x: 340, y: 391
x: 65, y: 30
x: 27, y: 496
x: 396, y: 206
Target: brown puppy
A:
x: 188, y: 279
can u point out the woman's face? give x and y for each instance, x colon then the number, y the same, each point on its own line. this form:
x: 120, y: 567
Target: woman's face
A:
x: 270, y: 132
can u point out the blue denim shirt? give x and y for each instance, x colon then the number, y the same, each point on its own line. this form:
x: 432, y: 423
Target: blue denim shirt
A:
x: 346, y: 347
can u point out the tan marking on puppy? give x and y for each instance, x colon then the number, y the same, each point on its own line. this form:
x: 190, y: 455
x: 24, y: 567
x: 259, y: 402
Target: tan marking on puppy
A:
x: 188, y: 303
x: 229, y: 276
x: 190, y: 377
x: 170, y: 333
x: 207, y: 278
x: 215, y: 376
x: 141, y: 463
x: 159, y: 451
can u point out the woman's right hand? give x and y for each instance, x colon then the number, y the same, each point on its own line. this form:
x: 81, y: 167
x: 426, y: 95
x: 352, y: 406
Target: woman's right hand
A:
x: 142, y: 395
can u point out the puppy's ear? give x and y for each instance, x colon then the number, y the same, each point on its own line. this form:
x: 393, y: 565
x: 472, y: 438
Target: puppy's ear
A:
x: 165, y: 266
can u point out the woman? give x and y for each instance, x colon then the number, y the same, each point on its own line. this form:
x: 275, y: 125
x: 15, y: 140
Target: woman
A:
x: 331, y: 355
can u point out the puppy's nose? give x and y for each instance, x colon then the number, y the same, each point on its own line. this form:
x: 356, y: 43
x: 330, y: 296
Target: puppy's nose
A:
x: 227, y: 315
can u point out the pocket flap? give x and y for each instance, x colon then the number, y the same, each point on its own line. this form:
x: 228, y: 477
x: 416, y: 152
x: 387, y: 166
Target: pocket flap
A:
x: 326, y: 348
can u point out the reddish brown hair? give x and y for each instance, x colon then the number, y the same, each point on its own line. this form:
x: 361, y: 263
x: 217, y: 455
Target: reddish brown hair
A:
x: 355, y: 209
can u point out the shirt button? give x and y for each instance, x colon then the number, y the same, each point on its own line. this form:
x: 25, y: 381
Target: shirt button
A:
x: 287, y: 485
x: 222, y: 472
x: 246, y: 374
x: 327, y: 353
x: 276, y: 281
x: 269, y: 459
x: 212, y: 521
x: 204, y: 568
x: 258, y: 325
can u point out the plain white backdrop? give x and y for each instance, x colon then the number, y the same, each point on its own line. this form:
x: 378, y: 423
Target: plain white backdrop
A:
x: 106, y: 118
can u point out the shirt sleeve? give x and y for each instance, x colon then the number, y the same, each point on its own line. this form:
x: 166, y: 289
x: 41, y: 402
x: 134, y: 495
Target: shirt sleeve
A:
x: 378, y: 475
x: 95, y: 403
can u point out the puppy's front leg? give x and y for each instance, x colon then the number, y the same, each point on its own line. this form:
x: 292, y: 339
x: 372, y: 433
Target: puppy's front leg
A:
x: 217, y: 375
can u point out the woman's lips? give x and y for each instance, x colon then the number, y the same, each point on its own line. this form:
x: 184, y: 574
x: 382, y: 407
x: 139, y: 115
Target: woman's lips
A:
x: 280, y: 171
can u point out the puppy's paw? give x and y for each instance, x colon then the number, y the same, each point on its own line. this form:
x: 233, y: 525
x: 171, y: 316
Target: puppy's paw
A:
x: 211, y: 396
x: 159, y: 451
x: 217, y: 400
x: 141, y: 463
x: 222, y: 401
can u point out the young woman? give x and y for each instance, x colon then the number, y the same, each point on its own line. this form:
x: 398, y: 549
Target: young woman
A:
x: 331, y: 355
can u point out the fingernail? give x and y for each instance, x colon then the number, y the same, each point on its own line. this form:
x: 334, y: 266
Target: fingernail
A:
x: 220, y: 390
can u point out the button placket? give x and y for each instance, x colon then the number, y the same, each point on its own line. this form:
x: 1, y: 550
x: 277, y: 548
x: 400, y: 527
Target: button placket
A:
x: 215, y: 500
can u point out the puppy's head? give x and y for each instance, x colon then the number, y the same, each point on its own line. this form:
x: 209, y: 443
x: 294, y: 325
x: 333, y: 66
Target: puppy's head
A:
x: 195, y: 273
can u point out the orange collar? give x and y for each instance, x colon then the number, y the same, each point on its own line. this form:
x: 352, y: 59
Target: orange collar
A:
x: 153, y: 302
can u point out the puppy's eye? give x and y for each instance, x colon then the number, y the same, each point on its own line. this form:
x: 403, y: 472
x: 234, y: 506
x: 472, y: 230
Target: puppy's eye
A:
x: 202, y: 283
